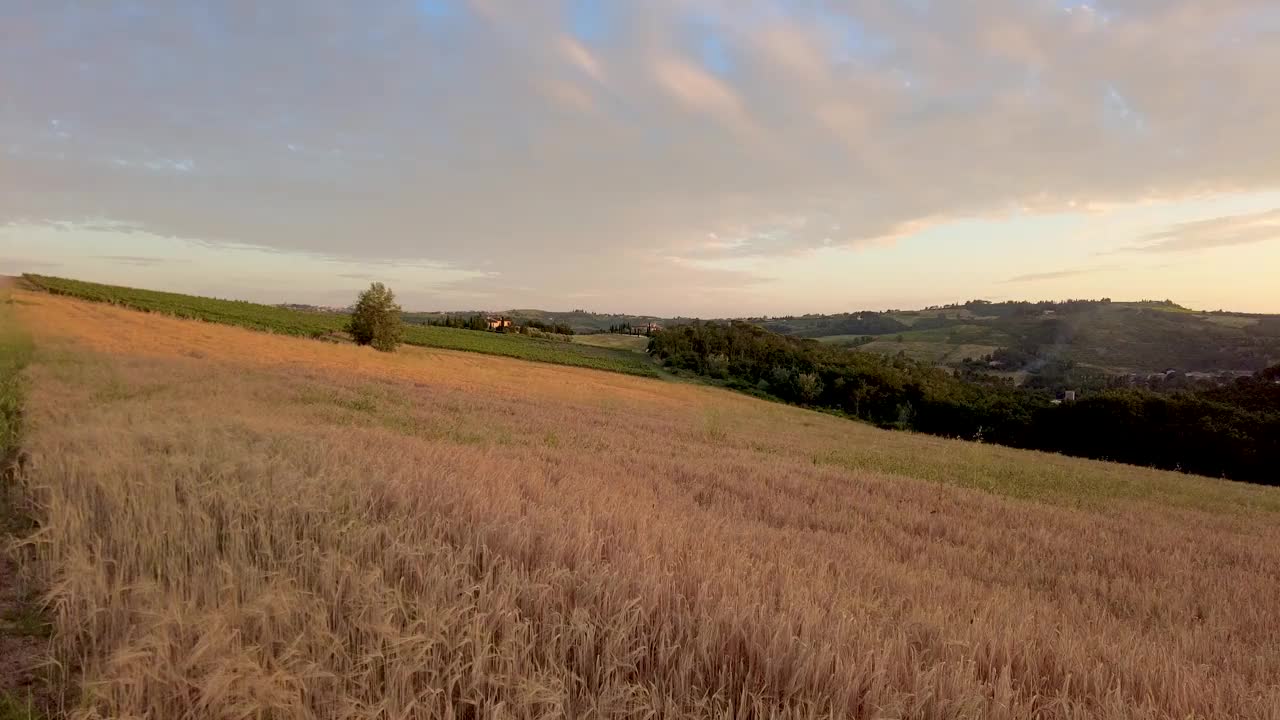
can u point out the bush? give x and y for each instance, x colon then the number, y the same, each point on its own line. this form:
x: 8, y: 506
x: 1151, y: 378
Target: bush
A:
x: 376, y: 319
x: 809, y: 386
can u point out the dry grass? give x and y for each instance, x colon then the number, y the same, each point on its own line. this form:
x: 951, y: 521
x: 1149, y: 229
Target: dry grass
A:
x: 237, y: 525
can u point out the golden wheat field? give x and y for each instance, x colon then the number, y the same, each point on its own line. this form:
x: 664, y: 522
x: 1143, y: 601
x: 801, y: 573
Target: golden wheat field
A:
x: 236, y: 525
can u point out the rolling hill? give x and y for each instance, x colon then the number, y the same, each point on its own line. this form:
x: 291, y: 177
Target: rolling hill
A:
x: 1114, y: 338
x: 330, y: 325
x: 234, y: 523
x: 1111, y: 338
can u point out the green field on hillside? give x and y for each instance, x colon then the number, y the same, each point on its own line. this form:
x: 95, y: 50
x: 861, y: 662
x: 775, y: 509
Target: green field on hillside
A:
x: 559, y: 352
x: 962, y: 334
x: 632, y: 343
x: 284, y: 321
x: 938, y: 353
x: 949, y: 345
x: 254, y: 316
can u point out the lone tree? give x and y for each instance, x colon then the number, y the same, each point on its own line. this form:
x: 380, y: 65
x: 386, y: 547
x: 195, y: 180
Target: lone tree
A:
x: 376, y: 319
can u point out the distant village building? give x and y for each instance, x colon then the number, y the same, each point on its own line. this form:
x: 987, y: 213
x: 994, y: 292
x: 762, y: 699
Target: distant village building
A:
x: 1069, y: 396
x: 498, y: 323
x: 647, y: 329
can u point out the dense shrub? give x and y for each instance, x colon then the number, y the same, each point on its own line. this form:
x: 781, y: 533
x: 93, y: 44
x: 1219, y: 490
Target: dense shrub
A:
x: 1231, y: 431
x: 375, y: 320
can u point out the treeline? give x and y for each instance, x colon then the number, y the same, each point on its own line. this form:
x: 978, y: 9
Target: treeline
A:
x: 551, y: 327
x: 626, y: 328
x: 1229, y: 432
x: 860, y: 323
x: 481, y: 322
x: 870, y: 322
x: 1027, y: 308
x: 462, y: 322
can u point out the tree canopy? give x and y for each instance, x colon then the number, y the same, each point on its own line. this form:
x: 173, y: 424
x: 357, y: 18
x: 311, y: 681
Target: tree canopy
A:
x: 1231, y: 431
x: 376, y: 320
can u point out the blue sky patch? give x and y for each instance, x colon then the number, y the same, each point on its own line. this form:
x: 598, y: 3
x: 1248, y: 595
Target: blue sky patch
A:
x: 436, y: 9
x: 589, y: 21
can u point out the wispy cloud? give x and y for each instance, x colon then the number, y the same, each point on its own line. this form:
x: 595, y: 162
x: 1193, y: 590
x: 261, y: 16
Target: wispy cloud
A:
x: 1073, y: 272
x: 1213, y: 233
x: 17, y: 265
x: 1054, y: 274
x: 701, y: 91
x: 581, y: 58
x: 139, y: 260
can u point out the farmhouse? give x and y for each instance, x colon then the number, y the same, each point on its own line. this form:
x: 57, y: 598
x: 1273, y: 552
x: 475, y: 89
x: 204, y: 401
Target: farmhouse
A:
x: 648, y: 329
x: 496, y: 323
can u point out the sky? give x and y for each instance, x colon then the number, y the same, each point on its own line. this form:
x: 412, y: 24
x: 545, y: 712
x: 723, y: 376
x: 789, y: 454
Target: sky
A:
x: 702, y: 158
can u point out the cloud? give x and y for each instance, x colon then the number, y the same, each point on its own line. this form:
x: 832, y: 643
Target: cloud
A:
x: 1213, y: 233
x: 139, y: 260
x: 701, y: 91
x: 1054, y: 274
x: 581, y: 58
x: 570, y: 96
x: 21, y: 265
x: 490, y: 136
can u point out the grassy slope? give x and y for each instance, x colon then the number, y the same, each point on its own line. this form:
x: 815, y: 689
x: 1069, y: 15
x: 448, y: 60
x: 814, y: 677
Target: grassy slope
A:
x: 1135, y: 338
x: 632, y: 343
x: 404, y: 535
x: 15, y: 349
x: 558, y: 352
x: 21, y: 625
x: 911, y: 317
x: 941, y: 353
x: 945, y: 346
x: 321, y: 325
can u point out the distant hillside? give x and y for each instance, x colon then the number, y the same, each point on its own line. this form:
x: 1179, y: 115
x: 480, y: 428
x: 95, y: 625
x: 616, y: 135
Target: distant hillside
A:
x: 1116, y: 338
x: 1058, y: 342
x: 1228, y: 430
x: 581, y: 321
